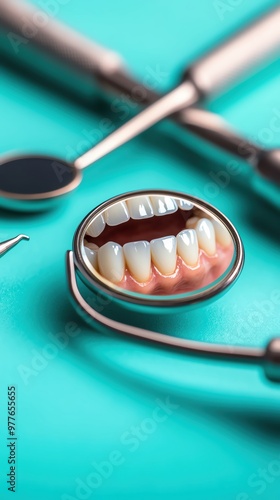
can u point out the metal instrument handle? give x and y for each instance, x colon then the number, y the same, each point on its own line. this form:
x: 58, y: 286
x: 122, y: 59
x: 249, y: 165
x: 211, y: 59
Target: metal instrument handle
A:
x: 238, y: 55
x: 40, y: 29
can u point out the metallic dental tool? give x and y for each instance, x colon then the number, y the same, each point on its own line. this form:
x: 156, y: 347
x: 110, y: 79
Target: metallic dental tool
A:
x: 34, y: 182
x: 101, y: 268
x: 36, y: 40
x: 9, y: 244
x: 249, y: 47
x: 29, y: 182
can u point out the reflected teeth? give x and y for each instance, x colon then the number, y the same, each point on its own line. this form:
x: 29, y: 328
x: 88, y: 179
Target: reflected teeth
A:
x: 111, y: 259
x: 111, y: 262
x: 163, y: 205
x: 96, y: 227
x: 140, y: 207
x: 117, y: 214
x: 206, y: 236
x: 191, y: 223
x: 184, y: 204
x: 188, y: 246
x: 138, y: 259
x: 164, y: 254
x: 222, y: 235
x: 91, y: 252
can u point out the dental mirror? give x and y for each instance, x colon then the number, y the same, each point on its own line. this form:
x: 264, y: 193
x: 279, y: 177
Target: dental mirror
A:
x: 33, y: 182
x: 158, y: 248
x: 159, y: 252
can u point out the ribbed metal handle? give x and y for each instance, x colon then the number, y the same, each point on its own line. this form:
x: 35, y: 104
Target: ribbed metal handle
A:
x: 238, y: 55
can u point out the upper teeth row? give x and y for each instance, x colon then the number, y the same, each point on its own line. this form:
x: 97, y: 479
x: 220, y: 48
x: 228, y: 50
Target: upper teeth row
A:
x: 138, y: 207
x: 112, y: 259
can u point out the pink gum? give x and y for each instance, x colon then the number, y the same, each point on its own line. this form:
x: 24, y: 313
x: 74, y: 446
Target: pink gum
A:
x: 185, y: 278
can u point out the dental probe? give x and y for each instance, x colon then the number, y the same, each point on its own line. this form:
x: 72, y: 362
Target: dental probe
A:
x: 9, y: 244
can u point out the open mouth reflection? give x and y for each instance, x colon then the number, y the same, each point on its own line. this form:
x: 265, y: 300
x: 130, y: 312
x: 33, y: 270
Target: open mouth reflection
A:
x: 157, y: 245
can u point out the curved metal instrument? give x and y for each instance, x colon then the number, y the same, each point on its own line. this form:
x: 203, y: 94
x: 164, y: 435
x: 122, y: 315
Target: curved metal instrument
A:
x: 9, y: 244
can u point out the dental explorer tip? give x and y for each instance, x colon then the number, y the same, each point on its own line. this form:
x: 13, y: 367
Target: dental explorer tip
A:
x: 23, y: 237
x: 9, y: 244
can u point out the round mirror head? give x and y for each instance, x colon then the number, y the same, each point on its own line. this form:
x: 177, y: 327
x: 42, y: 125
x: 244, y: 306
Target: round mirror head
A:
x: 158, y: 248
x: 36, y: 178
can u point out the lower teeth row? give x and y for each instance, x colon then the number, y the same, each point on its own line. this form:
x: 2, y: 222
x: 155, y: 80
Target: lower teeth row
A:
x: 111, y: 260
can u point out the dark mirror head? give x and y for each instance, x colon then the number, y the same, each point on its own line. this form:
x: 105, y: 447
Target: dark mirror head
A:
x: 36, y: 177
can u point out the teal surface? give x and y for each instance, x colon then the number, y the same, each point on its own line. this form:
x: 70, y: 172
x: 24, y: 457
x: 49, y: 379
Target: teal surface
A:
x: 99, y: 416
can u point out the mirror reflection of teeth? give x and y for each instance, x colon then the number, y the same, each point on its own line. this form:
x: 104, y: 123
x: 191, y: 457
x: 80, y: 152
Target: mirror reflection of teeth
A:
x: 188, y: 246
x: 222, y: 235
x: 111, y: 260
x: 91, y: 251
x: 164, y: 205
x: 138, y: 260
x: 117, y: 214
x: 191, y: 223
x: 184, y: 204
x: 97, y: 226
x: 164, y: 254
x: 138, y: 207
x: 206, y: 236
x: 205, y: 233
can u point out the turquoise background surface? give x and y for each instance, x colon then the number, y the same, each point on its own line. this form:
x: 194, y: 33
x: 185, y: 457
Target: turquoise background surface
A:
x: 93, y: 400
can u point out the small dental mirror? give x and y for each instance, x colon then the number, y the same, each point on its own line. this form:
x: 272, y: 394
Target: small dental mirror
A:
x: 158, y: 248
x: 32, y: 182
